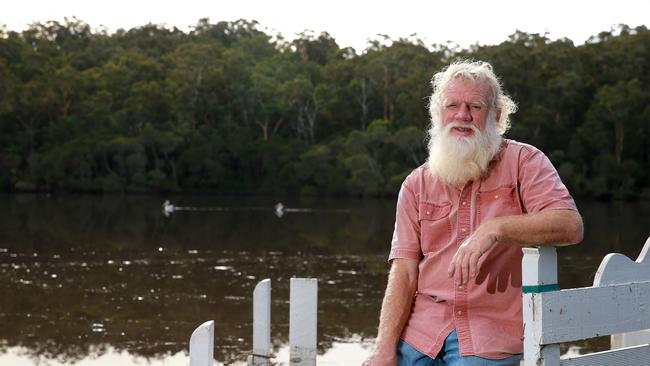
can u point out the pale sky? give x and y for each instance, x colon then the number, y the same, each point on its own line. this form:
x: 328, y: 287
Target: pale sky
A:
x: 352, y: 22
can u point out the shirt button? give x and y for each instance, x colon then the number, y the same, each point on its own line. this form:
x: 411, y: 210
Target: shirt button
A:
x: 464, y: 203
x: 496, y: 197
x: 460, y: 287
x: 459, y: 312
x: 463, y: 229
x: 428, y: 212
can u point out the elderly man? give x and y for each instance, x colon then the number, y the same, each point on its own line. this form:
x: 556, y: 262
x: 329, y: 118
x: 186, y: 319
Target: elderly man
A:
x: 454, y: 289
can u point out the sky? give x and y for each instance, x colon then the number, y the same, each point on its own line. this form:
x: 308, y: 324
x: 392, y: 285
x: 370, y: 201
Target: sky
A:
x: 352, y: 22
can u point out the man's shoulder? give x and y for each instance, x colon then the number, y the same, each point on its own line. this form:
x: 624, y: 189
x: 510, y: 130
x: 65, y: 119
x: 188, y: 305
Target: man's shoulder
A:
x: 520, y: 150
x: 518, y: 145
x: 418, y: 176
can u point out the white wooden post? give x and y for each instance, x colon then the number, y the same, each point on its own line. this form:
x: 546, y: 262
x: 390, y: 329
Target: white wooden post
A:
x: 539, y: 275
x: 202, y: 345
x: 303, y: 300
x: 261, y: 324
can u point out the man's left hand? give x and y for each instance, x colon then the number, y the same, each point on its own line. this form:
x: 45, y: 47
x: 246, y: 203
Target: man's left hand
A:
x: 466, y: 263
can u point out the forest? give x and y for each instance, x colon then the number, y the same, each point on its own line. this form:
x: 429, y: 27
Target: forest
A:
x: 228, y: 109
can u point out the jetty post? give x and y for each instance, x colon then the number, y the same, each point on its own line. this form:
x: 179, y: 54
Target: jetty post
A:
x: 202, y: 345
x: 303, y: 300
x: 261, y: 324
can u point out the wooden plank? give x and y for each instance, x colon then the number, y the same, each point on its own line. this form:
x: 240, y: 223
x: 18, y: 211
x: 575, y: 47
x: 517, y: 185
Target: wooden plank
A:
x: 303, y: 300
x: 582, y: 313
x: 202, y: 345
x: 629, y: 339
x: 631, y: 356
x: 616, y: 269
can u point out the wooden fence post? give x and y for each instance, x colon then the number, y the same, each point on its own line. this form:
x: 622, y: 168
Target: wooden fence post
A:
x: 539, y: 275
x: 261, y: 324
x: 303, y: 300
x: 202, y: 345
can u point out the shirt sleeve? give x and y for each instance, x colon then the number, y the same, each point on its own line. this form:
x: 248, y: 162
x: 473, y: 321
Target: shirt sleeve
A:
x: 406, y: 235
x: 540, y: 185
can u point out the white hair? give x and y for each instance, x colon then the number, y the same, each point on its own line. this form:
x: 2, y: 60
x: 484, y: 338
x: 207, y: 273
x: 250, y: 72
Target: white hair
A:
x: 481, y: 71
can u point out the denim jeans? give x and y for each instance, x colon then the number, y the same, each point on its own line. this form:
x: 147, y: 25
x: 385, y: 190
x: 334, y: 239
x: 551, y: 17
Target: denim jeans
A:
x: 448, y: 356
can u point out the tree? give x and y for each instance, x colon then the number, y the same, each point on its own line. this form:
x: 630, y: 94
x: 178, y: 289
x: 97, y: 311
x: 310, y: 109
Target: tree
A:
x: 617, y: 118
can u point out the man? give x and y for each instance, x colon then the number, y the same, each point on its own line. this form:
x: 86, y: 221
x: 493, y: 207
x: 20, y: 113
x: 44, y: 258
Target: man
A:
x: 454, y: 288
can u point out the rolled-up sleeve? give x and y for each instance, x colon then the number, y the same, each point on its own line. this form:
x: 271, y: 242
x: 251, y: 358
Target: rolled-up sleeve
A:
x: 540, y: 185
x: 406, y: 235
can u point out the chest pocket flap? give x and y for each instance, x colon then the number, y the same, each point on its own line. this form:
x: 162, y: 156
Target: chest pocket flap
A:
x: 498, y: 202
x: 435, y: 227
x: 432, y: 211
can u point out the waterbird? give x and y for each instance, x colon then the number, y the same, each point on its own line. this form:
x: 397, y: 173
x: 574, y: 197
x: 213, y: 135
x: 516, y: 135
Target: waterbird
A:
x: 279, y: 209
x: 167, y: 208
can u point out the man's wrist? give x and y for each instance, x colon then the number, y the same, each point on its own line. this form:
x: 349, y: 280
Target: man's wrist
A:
x: 386, y: 347
x: 494, y: 230
x: 384, y: 355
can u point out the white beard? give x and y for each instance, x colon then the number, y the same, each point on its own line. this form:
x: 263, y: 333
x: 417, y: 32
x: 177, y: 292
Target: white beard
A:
x: 457, y: 159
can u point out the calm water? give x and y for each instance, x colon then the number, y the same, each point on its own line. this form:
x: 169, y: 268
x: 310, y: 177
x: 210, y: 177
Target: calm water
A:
x: 92, y: 280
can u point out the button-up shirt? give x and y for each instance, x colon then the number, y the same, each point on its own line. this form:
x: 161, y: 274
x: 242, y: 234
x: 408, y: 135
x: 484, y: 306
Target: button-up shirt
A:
x: 434, y: 218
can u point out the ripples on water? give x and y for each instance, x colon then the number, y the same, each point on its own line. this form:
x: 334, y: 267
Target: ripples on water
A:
x: 89, y: 280
x: 67, y: 305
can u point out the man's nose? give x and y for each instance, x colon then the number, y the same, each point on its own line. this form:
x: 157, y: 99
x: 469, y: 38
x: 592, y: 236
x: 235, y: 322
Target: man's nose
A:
x: 464, y: 113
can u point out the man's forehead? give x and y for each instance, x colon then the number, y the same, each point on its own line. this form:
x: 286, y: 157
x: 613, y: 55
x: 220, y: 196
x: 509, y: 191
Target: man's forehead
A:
x: 477, y: 90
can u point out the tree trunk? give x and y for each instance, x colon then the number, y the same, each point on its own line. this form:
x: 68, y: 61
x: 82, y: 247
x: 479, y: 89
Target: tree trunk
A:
x: 264, y: 126
x: 619, y: 133
x: 277, y: 125
x: 362, y: 99
x: 311, y: 114
x: 386, y: 106
x: 195, y: 97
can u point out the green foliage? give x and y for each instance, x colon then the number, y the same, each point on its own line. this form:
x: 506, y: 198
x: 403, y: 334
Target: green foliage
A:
x: 228, y: 108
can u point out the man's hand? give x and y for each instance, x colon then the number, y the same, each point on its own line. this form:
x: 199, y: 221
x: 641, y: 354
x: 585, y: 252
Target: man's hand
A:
x: 466, y: 263
x: 549, y: 227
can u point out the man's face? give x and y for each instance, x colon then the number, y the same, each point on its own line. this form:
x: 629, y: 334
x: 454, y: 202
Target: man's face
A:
x: 465, y: 104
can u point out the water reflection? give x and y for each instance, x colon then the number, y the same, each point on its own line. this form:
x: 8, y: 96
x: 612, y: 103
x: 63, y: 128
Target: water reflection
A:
x: 149, y: 305
x: 102, y: 356
x: 340, y: 353
x: 91, y: 277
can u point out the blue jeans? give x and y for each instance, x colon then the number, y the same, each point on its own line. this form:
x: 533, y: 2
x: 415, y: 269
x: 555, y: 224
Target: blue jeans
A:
x: 448, y: 356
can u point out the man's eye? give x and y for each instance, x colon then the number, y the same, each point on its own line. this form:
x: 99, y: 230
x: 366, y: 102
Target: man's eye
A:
x: 452, y: 105
x: 476, y: 107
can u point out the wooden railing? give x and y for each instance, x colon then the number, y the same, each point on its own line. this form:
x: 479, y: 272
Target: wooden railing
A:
x: 618, y: 302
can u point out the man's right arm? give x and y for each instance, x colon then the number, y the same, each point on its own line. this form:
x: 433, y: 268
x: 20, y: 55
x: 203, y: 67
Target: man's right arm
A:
x: 395, y: 310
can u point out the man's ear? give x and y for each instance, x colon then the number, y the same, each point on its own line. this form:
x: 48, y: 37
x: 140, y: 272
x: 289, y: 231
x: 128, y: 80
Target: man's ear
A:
x: 498, y: 115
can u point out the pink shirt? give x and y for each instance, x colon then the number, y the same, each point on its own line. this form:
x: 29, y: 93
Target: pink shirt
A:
x: 434, y: 218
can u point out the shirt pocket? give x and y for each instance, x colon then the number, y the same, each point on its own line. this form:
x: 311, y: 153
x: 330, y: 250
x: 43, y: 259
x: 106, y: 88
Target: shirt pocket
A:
x: 503, y: 201
x: 435, y: 226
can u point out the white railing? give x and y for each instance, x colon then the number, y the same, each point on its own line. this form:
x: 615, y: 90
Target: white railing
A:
x: 618, y: 302
x: 303, y: 300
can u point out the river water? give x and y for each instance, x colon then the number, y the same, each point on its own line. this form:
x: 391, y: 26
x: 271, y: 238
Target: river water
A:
x: 105, y: 280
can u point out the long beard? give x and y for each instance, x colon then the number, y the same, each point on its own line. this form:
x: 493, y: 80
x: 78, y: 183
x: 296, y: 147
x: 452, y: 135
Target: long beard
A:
x: 458, y: 160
